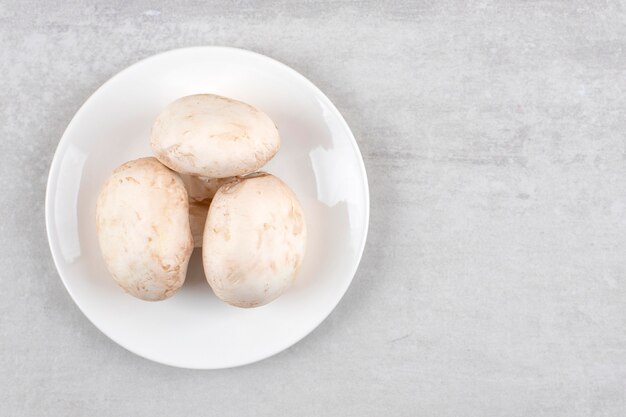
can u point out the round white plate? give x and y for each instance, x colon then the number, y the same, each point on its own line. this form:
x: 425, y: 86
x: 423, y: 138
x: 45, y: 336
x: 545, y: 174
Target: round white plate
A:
x: 319, y: 159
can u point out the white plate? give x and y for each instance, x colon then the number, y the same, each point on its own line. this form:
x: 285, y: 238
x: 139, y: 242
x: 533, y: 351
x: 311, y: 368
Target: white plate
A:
x: 319, y: 159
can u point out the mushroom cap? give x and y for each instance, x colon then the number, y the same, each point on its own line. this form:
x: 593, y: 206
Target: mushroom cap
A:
x: 142, y: 224
x: 213, y: 136
x: 254, y: 240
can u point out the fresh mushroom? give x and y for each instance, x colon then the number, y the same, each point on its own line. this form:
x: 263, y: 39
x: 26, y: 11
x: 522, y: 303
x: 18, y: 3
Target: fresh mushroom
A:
x: 254, y: 240
x: 143, y: 229
x: 213, y: 136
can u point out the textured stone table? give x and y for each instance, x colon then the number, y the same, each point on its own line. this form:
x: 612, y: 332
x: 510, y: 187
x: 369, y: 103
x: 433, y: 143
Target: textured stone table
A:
x: 494, y: 278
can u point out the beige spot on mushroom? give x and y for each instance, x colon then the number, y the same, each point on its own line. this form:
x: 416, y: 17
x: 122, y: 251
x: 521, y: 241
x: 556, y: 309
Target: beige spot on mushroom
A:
x: 260, y: 157
x: 234, y: 276
x: 298, y: 222
x: 231, y: 187
x: 245, y: 304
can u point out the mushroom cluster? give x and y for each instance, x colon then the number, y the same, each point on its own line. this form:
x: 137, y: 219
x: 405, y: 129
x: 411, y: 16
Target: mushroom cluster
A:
x: 203, y: 189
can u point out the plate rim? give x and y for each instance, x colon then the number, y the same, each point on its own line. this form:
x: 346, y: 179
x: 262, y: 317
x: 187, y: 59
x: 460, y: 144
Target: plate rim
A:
x: 62, y: 144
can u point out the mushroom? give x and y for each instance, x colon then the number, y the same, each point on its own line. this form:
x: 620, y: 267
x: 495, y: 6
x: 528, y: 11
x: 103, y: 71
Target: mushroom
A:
x: 254, y: 240
x: 201, y: 191
x: 143, y: 229
x: 213, y: 136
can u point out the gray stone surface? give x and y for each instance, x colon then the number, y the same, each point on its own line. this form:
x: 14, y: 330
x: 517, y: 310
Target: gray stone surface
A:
x: 494, y: 279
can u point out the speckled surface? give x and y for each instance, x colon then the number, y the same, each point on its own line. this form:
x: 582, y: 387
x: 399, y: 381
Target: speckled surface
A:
x: 494, y: 279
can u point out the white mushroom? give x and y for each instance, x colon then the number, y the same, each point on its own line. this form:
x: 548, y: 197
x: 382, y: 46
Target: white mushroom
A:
x: 213, y: 136
x: 143, y: 229
x: 254, y: 240
x: 201, y: 191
